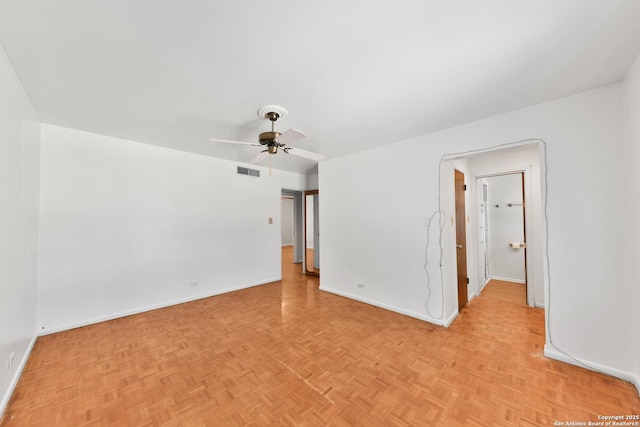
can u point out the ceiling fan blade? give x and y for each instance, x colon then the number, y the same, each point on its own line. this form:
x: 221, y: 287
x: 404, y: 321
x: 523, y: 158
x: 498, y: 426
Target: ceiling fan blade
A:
x: 260, y: 157
x: 290, y: 136
x: 304, y: 153
x: 228, y: 141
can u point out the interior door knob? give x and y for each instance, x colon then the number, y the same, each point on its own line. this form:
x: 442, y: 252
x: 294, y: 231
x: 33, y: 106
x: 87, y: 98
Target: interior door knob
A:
x: 459, y: 246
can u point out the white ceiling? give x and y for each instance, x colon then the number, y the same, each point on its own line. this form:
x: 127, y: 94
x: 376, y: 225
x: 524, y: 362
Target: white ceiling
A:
x: 352, y: 74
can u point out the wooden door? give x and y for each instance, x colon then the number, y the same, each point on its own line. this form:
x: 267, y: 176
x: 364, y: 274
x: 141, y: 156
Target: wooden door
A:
x: 461, y: 239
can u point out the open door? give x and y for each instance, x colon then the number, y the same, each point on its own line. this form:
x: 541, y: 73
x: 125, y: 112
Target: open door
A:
x: 312, y: 233
x: 298, y: 212
x: 461, y: 240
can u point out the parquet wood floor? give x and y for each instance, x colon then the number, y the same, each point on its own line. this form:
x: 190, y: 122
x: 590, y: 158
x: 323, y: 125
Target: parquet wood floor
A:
x: 287, y: 354
x: 506, y: 291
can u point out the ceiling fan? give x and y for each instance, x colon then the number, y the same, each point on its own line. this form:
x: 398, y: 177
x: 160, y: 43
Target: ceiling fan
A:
x: 274, y: 141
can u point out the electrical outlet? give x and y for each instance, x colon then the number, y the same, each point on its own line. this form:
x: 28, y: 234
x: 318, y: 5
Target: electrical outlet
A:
x: 361, y: 285
x: 11, y: 356
x: 194, y: 284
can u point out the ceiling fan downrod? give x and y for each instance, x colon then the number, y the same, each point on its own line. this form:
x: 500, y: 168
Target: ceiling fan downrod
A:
x: 270, y: 138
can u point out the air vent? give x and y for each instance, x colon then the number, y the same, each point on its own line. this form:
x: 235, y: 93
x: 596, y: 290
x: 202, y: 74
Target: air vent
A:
x: 247, y: 171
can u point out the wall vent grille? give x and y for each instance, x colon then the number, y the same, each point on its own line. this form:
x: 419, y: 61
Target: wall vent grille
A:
x: 249, y: 172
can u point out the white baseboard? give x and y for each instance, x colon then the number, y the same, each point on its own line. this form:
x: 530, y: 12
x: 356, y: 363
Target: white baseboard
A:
x: 508, y: 279
x: 440, y: 322
x: 139, y: 310
x: 451, y: 318
x: 553, y: 352
x: 16, y: 377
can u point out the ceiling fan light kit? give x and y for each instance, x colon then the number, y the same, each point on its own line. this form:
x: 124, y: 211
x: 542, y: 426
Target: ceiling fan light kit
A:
x: 275, y: 141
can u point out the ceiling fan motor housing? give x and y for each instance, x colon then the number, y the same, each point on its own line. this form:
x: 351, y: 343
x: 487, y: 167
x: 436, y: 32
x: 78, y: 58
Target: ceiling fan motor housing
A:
x: 269, y: 138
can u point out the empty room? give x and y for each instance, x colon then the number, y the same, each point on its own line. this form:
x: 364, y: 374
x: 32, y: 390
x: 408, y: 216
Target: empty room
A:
x: 409, y: 213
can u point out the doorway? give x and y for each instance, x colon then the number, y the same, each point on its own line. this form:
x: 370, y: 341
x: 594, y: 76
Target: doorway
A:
x: 287, y: 220
x: 526, y: 159
x: 291, y: 205
x: 502, y: 236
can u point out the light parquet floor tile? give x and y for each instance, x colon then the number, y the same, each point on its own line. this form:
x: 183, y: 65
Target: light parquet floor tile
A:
x: 287, y: 354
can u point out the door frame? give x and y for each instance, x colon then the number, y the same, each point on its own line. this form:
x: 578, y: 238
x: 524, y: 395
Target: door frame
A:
x: 530, y: 277
x: 496, y: 159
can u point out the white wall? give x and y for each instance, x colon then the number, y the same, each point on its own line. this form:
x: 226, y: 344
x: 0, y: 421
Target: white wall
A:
x: 126, y: 227
x: 287, y: 220
x: 506, y: 225
x: 309, y: 232
x: 632, y: 114
x: 590, y: 310
x: 19, y: 162
x: 312, y: 179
